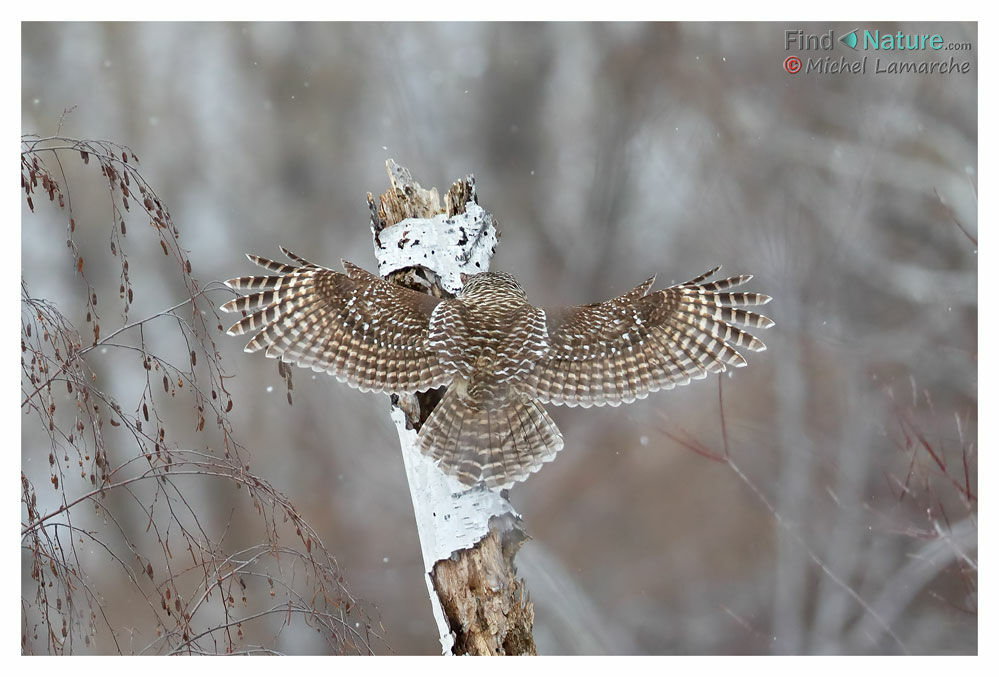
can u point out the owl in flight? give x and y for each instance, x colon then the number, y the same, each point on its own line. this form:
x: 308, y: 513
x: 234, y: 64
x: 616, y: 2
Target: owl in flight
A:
x: 500, y: 357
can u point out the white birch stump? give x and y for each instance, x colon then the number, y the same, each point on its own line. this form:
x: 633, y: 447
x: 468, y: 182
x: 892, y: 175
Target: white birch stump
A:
x: 469, y: 537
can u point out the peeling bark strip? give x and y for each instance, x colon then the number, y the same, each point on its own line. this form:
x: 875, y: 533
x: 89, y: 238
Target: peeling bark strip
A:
x: 469, y: 537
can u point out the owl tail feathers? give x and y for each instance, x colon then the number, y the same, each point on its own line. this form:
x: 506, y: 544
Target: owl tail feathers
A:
x: 497, y: 442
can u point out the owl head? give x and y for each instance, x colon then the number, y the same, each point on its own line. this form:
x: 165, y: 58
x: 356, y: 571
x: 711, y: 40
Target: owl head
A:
x: 488, y: 286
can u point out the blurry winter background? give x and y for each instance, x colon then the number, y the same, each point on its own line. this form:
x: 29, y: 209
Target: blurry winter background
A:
x: 846, y: 521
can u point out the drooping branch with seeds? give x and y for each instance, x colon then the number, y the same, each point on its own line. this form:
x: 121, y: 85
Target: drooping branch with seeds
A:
x: 131, y: 435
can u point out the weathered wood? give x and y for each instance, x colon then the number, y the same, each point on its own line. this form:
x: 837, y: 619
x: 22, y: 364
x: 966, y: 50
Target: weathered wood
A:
x: 487, y: 606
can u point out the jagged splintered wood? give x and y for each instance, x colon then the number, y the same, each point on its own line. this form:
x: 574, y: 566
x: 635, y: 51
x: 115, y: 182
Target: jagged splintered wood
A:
x: 469, y: 537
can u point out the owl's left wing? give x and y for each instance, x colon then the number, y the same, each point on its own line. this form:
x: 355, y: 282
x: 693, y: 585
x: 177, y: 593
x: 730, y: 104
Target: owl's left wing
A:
x: 363, y: 330
x: 623, y: 349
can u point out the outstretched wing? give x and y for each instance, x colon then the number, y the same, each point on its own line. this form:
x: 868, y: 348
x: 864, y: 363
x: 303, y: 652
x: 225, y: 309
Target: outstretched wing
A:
x: 367, y: 332
x: 623, y: 349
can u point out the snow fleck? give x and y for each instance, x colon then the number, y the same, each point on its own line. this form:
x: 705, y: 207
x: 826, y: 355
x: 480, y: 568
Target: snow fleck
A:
x: 385, y: 560
x: 270, y: 389
x: 644, y: 440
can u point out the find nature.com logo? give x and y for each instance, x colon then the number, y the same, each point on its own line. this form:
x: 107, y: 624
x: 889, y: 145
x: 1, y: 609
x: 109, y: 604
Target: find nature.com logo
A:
x: 893, y: 46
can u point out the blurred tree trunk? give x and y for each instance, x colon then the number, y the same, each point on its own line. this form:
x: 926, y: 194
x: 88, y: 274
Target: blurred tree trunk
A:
x: 469, y: 537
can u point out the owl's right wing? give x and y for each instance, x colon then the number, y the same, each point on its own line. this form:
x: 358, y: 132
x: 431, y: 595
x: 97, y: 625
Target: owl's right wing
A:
x: 363, y: 330
x: 623, y: 349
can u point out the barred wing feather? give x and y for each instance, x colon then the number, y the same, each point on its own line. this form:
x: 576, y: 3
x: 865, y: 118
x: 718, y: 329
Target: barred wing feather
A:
x: 363, y: 330
x: 640, y: 342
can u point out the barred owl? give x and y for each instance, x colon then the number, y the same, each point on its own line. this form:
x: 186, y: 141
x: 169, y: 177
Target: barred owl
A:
x: 500, y: 357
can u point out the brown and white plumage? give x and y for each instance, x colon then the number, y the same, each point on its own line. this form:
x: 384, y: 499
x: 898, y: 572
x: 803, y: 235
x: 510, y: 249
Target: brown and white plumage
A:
x: 640, y: 342
x: 365, y: 331
x: 500, y: 356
